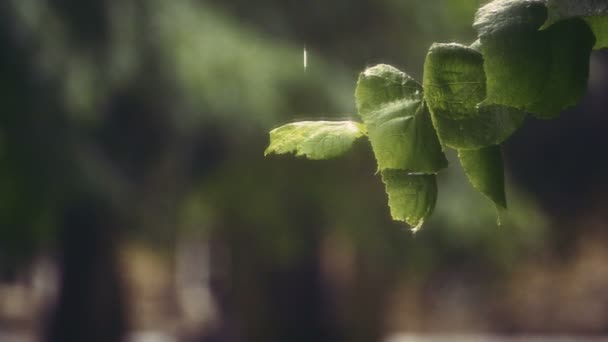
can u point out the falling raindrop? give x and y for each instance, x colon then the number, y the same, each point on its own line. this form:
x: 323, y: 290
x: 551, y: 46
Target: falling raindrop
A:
x: 305, y: 58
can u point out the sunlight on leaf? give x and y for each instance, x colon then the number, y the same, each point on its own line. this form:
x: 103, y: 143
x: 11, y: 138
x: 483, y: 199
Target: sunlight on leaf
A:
x: 454, y: 83
x: 398, y: 122
x: 594, y: 12
x: 599, y: 26
x: 315, y: 139
x: 411, y: 197
x: 539, y: 71
x: 531, y: 56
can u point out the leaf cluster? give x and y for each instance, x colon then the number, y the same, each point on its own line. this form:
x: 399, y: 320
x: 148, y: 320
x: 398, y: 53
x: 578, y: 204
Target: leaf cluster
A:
x: 531, y: 58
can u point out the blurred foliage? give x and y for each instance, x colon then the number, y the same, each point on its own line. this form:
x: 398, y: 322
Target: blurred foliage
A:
x: 199, y: 82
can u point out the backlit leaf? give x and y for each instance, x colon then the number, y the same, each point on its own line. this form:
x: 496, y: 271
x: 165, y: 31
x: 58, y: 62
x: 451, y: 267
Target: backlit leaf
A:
x: 594, y: 12
x: 454, y: 80
x: 484, y: 168
x: 454, y: 84
x: 539, y: 71
x: 398, y: 123
x: 493, y: 125
x: 561, y: 9
x: 599, y: 26
x: 315, y: 139
x: 411, y: 197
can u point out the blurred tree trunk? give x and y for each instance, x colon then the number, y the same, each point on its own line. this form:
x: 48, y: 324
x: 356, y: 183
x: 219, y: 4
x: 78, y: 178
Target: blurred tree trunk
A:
x: 293, y: 306
x: 297, y: 296
x: 90, y: 306
x: 263, y: 298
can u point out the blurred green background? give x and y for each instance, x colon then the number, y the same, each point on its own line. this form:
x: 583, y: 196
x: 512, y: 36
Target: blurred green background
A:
x: 136, y: 204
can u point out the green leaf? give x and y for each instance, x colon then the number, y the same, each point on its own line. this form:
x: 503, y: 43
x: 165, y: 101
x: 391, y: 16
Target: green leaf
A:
x: 571, y: 42
x: 539, y: 71
x: 398, y: 123
x: 499, y: 15
x: 562, y: 9
x: 484, y: 168
x: 594, y: 12
x: 599, y: 26
x: 494, y: 125
x: 454, y: 80
x: 411, y: 197
x: 454, y: 84
x: 476, y: 45
x: 315, y: 139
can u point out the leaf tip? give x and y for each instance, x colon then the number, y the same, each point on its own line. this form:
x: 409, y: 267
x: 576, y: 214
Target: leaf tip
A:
x: 268, y: 151
x: 501, y: 212
x: 415, y: 229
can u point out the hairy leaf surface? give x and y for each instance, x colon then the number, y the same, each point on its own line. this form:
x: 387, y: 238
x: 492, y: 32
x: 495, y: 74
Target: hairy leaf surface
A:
x: 561, y: 9
x: 454, y: 84
x: 454, y: 80
x: 398, y: 123
x: 411, y: 197
x: 315, y: 139
x: 595, y: 13
x: 539, y: 71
